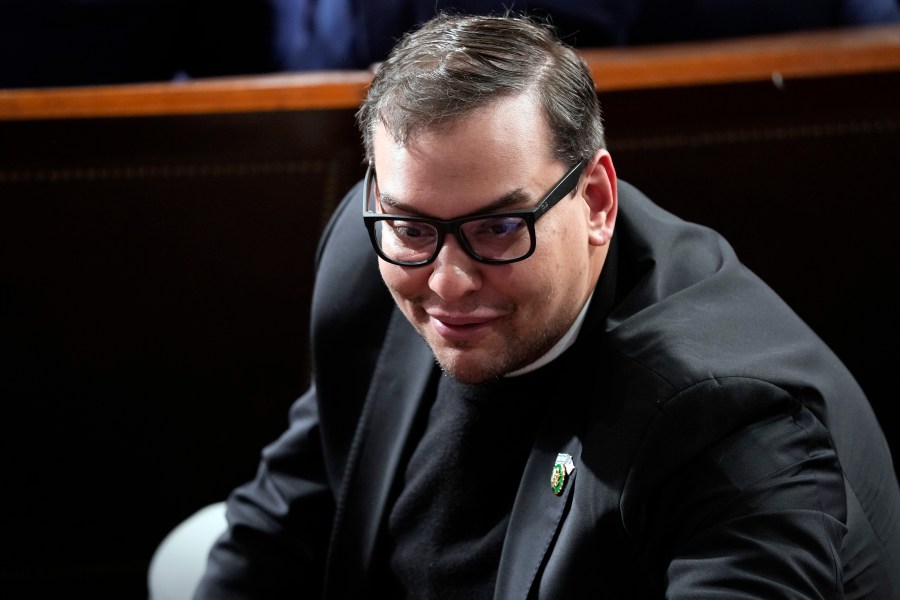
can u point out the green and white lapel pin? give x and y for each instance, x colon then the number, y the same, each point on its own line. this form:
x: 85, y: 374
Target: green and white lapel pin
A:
x: 561, y: 471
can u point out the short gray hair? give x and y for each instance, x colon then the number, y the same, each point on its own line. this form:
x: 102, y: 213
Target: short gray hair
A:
x: 453, y: 64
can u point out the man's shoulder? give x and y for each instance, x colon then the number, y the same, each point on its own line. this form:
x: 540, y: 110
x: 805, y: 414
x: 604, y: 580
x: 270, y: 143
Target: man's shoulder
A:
x: 689, y: 309
x: 346, y: 265
x: 350, y: 300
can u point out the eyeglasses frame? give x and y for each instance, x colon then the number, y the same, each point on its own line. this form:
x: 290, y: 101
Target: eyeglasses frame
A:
x: 560, y: 190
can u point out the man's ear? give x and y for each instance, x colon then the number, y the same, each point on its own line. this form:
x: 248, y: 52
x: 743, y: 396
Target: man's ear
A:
x: 601, y: 195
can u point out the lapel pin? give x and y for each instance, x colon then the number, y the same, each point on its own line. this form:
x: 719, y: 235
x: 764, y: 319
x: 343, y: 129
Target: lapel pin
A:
x: 561, y: 471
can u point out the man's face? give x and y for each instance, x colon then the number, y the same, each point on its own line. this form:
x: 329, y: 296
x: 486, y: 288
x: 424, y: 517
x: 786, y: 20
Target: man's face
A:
x: 482, y: 321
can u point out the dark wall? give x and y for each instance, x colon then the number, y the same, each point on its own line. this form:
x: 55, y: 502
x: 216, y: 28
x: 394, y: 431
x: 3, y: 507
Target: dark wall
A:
x: 155, y: 277
x: 154, y: 291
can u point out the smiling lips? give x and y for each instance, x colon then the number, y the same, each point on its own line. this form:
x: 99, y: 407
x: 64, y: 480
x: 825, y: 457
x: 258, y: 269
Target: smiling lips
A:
x: 461, y: 328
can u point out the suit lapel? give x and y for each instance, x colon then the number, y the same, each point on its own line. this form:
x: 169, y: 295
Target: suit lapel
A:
x: 405, y: 365
x: 538, y: 511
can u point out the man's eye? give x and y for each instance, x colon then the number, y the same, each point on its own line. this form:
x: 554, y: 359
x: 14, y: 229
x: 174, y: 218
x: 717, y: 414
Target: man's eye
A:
x: 411, y: 233
x: 500, y: 227
x: 410, y: 229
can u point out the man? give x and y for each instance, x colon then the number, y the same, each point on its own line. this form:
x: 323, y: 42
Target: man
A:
x: 530, y: 381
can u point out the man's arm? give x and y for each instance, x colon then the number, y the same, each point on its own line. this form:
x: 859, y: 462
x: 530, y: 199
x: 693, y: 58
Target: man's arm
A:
x: 759, y: 515
x: 278, y: 524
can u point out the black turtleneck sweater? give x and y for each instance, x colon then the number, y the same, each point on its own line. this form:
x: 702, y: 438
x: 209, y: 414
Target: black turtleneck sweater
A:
x: 447, y: 523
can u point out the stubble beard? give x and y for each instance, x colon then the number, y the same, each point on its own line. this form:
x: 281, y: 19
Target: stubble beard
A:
x: 470, y: 363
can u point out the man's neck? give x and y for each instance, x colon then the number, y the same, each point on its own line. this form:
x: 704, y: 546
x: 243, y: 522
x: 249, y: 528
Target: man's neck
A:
x: 559, y: 347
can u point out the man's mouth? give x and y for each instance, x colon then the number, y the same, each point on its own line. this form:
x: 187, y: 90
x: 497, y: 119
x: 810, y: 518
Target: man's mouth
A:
x: 458, y: 328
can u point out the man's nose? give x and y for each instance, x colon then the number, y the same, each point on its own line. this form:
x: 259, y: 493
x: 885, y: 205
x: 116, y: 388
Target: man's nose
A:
x: 454, y: 273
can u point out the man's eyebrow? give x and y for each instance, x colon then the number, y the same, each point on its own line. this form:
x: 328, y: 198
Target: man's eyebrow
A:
x: 514, y: 200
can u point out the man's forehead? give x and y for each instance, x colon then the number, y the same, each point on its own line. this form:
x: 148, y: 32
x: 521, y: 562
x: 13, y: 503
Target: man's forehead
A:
x: 448, y: 204
x: 503, y: 126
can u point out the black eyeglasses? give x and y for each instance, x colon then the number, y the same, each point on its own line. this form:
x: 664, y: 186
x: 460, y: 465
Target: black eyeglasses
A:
x: 495, y: 239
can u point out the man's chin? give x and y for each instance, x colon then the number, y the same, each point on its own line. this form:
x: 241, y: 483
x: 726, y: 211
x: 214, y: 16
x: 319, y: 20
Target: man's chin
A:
x: 471, y: 365
x: 467, y: 375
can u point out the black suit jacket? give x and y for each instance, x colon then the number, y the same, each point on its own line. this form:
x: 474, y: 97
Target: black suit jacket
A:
x: 720, y: 449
